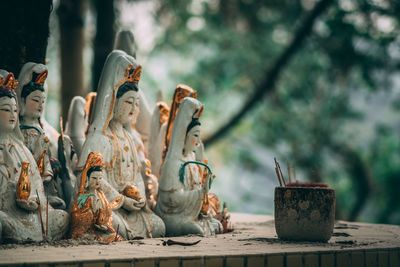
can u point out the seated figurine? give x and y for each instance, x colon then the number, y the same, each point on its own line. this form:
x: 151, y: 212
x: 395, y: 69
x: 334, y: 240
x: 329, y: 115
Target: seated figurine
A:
x: 182, y: 192
x: 115, y: 107
x: 31, y: 99
x: 91, y: 211
x: 24, y: 215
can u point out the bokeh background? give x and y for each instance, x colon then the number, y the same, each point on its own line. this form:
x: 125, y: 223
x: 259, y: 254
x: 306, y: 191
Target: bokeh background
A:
x: 315, y: 84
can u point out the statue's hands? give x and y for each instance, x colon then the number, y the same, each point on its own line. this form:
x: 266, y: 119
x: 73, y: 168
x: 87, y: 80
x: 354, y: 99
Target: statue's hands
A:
x: 140, y: 203
x: 130, y: 204
x: 30, y: 204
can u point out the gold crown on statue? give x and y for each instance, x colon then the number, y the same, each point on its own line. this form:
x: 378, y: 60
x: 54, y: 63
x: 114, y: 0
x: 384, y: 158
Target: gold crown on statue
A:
x: 133, y: 74
x: 41, y: 78
x: 10, y: 83
x: 94, y: 159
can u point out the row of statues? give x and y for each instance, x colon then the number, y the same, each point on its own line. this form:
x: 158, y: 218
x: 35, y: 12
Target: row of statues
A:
x: 119, y: 171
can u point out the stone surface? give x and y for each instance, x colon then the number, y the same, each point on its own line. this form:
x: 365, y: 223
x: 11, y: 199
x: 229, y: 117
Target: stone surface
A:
x: 253, y: 240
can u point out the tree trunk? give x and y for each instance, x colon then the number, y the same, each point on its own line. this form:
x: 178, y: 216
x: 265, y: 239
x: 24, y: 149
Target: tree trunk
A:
x: 105, y: 34
x: 25, y: 33
x: 71, y: 21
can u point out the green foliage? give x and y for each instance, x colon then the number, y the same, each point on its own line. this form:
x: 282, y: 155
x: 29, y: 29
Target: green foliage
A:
x: 310, y: 119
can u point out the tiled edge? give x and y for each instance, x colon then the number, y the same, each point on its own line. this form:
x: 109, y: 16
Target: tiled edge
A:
x: 357, y: 258
x: 371, y: 258
x: 343, y: 258
x: 353, y: 258
x: 311, y: 260
x: 394, y: 257
x: 327, y: 259
x: 276, y: 260
x: 214, y: 261
x: 294, y: 260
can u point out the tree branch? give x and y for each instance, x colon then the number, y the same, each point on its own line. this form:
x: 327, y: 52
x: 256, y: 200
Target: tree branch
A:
x: 360, y: 175
x: 272, y: 74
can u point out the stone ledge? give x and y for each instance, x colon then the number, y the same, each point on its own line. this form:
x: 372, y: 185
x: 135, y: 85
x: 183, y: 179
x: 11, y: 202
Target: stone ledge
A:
x: 253, y: 243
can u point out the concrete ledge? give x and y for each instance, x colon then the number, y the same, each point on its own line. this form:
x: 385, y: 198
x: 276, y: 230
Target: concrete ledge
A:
x: 253, y: 243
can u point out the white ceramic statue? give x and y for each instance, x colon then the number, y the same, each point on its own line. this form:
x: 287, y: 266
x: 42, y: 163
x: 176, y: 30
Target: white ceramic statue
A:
x: 149, y: 179
x: 77, y: 123
x: 24, y: 213
x: 31, y: 99
x: 182, y: 191
x: 50, y: 131
x: 115, y: 108
x: 159, y: 122
x: 125, y: 41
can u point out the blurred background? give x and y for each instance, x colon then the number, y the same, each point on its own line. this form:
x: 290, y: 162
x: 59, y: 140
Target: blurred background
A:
x: 315, y: 84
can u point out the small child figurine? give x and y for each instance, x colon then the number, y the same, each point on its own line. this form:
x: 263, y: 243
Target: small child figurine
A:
x: 91, y: 211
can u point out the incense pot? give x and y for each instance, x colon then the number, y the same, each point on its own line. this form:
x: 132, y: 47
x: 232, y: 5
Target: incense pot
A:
x: 31, y: 99
x: 91, y: 214
x: 22, y: 219
x: 304, y: 213
x: 116, y: 100
x: 182, y: 192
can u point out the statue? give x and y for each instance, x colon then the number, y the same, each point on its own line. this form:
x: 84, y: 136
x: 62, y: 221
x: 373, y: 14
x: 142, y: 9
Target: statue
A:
x: 31, y: 99
x: 125, y: 41
x: 24, y: 212
x: 183, y: 195
x: 77, y: 123
x: 157, y: 135
x: 181, y: 91
x: 149, y: 179
x: 91, y: 214
x: 115, y: 106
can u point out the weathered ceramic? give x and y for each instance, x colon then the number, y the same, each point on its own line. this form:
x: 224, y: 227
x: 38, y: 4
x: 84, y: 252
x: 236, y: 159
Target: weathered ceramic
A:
x: 149, y: 179
x: 181, y: 91
x: 304, y: 213
x: 158, y: 129
x: 26, y: 217
x: 91, y: 214
x: 31, y: 99
x: 125, y: 41
x: 182, y: 191
x: 77, y: 123
x: 114, y: 109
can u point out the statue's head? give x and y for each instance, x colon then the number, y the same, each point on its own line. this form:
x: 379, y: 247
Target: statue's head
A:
x: 94, y: 177
x: 92, y: 174
x: 181, y: 91
x: 32, y: 93
x: 127, y: 104
x: 192, y: 139
x: 8, y: 102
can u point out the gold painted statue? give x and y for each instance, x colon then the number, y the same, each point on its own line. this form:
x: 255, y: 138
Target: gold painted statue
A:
x: 91, y: 212
x: 115, y: 108
x: 31, y: 99
x: 24, y: 215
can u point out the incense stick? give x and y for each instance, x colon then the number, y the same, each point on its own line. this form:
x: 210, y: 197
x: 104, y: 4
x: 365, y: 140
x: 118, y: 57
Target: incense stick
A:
x: 279, y: 173
x: 116, y: 233
x: 47, y: 217
x: 40, y: 215
x: 289, y: 170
